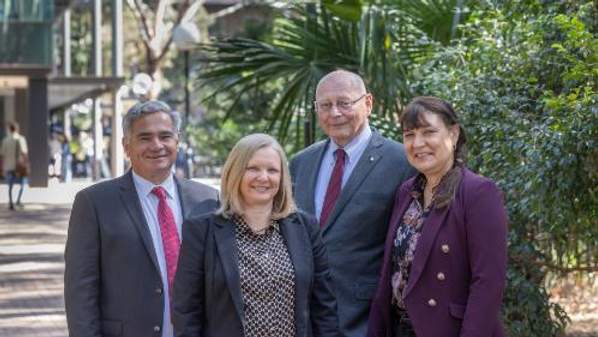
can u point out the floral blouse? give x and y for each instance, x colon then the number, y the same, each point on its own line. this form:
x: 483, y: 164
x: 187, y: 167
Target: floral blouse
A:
x: 405, y: 243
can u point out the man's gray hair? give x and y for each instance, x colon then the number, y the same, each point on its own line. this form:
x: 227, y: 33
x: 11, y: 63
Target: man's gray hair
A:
x: 149, y: 107
x: 344, y: 75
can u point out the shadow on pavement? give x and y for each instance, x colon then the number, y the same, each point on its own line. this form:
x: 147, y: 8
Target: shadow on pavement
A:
x: 31, y: 270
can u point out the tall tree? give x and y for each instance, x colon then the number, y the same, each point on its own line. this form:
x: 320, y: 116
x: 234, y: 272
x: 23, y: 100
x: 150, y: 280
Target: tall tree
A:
x: 156, y: 20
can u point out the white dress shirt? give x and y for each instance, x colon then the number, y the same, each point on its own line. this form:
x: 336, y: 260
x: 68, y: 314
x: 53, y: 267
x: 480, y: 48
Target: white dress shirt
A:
x: 149, y: 204
x: 354, y: 149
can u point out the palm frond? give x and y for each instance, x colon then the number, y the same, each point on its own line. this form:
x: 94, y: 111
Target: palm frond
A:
x: 309, y: 41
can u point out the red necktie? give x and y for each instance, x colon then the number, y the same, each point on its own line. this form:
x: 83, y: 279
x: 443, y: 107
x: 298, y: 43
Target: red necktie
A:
x: 170, y: 236
x: 334, y: 186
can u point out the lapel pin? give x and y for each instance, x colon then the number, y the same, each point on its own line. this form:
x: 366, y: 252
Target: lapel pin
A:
x: 371, y: 159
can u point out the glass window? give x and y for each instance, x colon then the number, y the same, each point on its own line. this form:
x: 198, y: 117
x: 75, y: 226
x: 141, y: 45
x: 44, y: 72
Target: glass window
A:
x: 26, y: 31
x: 26, y: 10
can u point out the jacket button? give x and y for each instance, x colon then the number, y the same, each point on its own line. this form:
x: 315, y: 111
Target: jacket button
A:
x: 440, y: 276
x: 432, y: 302
x: 157, y: 329
x: 158, y: 290
x: 445, y: 248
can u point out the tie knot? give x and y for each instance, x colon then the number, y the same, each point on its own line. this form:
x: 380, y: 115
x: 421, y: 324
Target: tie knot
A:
x: 340, y: 154
x: 159, y: 192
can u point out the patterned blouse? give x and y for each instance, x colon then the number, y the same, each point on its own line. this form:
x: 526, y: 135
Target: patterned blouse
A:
x: 405, y: 243
x: 267, y: 282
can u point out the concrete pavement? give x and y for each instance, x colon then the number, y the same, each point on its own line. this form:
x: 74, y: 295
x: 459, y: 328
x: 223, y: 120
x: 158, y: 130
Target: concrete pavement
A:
x: 31, y: 269
x: 31, y: 260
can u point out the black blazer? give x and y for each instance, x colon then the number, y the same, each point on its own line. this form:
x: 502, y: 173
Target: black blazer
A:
x: 112, y: 283
x: 207, y: 293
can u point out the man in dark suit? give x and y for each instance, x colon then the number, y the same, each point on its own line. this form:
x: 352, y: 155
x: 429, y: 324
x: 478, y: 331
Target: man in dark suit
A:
x: 124, y: 234
x: 348, y: 182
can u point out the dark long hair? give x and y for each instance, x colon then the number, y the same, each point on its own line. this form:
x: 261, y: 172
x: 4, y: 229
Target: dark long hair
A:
x: 412, y: 118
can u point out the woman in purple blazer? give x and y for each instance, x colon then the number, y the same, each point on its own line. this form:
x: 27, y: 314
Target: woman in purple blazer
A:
x: 445, y: 255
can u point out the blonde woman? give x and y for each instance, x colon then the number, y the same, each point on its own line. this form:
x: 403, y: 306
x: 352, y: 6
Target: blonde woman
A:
x: 256, y: 267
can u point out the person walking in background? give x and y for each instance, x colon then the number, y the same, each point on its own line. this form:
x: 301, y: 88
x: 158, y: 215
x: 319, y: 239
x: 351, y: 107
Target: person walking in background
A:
x: 445, y: 256
x: 348, y: 182
x: 15, y: 162
x: 66, y: 172
x: 256, y: 267
x: 124, y: 234
x: 55, y: 152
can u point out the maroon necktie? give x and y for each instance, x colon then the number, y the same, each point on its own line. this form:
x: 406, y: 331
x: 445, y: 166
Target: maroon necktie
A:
x: 170, y: 236
x: 334, y: 186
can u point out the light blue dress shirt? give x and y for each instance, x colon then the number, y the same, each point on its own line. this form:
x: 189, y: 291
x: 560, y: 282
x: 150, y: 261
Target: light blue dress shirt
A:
x: 354, y: 149
x: 149, y: 204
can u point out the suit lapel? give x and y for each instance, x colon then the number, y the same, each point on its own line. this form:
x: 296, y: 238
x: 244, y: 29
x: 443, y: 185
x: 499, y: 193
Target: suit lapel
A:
x: 424, y: 246
x: 292, y: 231
x: 307, y: 198
x: 402, y: 202
x: 130, y: 200
x: 370, y: 157
x: 227, y: 249
x: 183, y: 196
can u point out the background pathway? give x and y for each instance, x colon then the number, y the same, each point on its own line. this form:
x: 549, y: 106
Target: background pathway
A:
x: 31, y: 270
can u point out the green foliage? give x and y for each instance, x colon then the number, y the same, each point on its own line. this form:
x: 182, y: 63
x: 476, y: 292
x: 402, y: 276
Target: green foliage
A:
x: 81, y: 41
x: 378, y: 41
x: 525, y: 85
x: 348, y: 10
x: 221, y: 124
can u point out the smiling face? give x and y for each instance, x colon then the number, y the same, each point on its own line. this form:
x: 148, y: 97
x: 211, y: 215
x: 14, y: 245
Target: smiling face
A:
x: 430, y: 147
x: 151, y: 145
x: 261, y: 179
x: 342, y: 125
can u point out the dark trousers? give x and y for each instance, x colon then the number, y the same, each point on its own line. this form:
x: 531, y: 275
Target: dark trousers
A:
x: 402, y: 324
x: 12, y: 179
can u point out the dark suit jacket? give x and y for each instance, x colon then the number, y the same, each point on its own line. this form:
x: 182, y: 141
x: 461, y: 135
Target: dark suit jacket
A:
x: 467, y: 243
x: 207, y: 291
x: 356, y: 228
x: 112, y: 284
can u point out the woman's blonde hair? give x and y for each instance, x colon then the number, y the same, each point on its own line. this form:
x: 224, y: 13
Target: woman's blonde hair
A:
x: 234, y: 169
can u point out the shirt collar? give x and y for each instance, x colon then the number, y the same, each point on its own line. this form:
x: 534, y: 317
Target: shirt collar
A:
x: 240, y: 221
x: 145, y: 187
x: 353, y: 146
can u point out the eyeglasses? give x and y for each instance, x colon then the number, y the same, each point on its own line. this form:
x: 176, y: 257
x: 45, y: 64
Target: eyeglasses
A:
x: 341, y: 105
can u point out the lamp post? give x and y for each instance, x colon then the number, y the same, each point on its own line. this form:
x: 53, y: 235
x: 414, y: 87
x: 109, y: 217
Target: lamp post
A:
x: 185, y: 37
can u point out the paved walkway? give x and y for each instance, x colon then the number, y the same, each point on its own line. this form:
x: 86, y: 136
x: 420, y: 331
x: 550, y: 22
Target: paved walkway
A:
x: 31, y: 261
x: 31, y: 269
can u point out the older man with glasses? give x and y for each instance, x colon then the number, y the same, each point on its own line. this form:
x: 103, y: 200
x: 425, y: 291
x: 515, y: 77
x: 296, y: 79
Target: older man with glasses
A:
x: 348, y: 182
x: 124, y: 234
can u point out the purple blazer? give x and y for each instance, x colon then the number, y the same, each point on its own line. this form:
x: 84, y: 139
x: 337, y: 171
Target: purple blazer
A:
x: 458, y: 274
